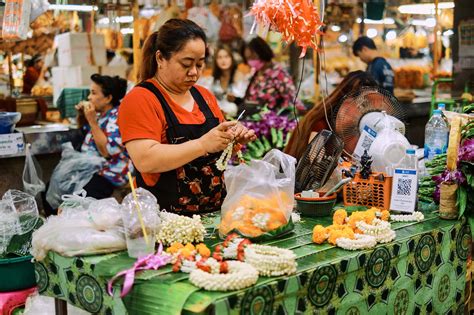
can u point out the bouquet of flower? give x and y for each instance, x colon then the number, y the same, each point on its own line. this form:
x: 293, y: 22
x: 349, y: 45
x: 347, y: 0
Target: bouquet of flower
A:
x: 273, y: 132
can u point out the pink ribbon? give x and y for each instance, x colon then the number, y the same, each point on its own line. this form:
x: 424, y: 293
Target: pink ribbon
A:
x: 149, y: 262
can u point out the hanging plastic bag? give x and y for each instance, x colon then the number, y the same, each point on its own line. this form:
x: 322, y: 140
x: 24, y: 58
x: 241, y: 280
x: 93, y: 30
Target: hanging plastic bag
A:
x: 32, y: 182
x: 38, y: 7
x: 16, y: 19
x: 260, y: 197
x: 72, y: 173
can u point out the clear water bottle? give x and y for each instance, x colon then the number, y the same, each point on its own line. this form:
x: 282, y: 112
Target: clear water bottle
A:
x: 409, y: 161
x: 442, y: 108
x: 436, y: 135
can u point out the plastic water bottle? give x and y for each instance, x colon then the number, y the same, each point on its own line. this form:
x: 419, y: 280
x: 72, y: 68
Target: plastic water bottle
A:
x: 436, y: 135
x: 409, y: 161
x: 442, y: 108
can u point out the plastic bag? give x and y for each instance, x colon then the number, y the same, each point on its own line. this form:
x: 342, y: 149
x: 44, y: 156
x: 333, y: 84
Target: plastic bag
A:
x: 78, y: 235
x: 32, y: 183
x: 25, y: 207
x: 38, y: 7
x: 16, y: 19
x: 44, y: 305
x: 72, y: 173
x: 9, y: 224
x: 146, y: 212
x: 260, y: 196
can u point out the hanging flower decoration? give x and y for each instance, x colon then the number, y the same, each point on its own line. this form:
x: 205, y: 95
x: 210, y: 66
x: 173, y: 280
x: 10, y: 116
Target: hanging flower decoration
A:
x: 297, y: 20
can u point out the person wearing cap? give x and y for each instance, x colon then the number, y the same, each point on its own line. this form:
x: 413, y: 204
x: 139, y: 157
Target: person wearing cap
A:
x: 33, y: 73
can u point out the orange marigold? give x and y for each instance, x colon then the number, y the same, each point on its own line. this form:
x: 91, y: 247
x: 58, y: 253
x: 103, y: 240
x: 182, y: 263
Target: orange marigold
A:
x: 339, y: 216
x: 319, y: 234
x: 385, y: 215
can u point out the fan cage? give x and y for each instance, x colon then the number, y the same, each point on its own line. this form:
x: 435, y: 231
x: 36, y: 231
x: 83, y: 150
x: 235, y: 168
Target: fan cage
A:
x: 318, y: 162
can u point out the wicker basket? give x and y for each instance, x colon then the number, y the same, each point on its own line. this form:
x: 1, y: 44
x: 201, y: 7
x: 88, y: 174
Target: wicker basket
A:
x: 369, y: 192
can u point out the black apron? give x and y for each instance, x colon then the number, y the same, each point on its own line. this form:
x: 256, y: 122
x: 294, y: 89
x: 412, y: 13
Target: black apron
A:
x: 197, y: 187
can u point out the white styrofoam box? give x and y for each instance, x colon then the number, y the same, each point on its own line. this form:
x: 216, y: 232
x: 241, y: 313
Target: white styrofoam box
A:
x: 112, y: 71
x: 75, y: 76
x: 73, y: 49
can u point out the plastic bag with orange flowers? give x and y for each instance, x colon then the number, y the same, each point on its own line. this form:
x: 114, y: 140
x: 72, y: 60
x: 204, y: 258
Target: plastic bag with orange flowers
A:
x: 260, y: 197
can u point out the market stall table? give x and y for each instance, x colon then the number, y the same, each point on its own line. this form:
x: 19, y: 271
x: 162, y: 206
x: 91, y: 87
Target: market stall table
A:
x: 422, y: 271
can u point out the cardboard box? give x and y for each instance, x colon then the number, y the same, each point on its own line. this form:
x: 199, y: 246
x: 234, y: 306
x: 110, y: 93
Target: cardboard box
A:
x: 74, y: 49
x: 75, y: 76
x: 112, y: 71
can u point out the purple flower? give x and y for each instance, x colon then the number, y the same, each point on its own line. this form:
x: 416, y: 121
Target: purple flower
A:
x: 466, y: 151
x: 450, y: 177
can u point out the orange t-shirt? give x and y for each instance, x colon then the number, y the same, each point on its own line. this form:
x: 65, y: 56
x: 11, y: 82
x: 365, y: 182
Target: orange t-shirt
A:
x: 142, y: 117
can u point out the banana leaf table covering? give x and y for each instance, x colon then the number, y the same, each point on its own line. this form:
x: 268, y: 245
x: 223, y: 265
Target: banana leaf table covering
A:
x: 422, y: 272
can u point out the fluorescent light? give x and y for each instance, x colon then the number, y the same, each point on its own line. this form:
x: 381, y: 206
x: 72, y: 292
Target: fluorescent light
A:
x: 386, y: 21
x: 429, y: 22
x: 372, y: 32
x: 424, y: 8
x: 343, y: 38
x: 448, y: 33
x: 119, y: 19
x: 127, y: 30
x: 73, y: 7
x: 335, y: 28
x: 391, y: 35
x: 104, y: 20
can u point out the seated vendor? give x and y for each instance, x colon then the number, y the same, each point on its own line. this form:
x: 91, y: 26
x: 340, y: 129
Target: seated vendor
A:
x: 315, y: 120
x: 98, y: 119
x: 174, y: 129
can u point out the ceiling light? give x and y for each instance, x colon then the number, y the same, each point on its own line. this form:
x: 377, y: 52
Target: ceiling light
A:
x: 448, y: 33
x: 391, y: 35
x: 424, y: 8
x: 335, y: 28
x: 127, y: 30
x: 386, y: 21
x: 372, y: 32
x: 119, y: 19
x: 430, y: 22
x: 73, y: 7
x: 343, y: 38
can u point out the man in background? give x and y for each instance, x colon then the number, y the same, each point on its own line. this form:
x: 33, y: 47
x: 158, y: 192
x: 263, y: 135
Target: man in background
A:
x: 377, y: 66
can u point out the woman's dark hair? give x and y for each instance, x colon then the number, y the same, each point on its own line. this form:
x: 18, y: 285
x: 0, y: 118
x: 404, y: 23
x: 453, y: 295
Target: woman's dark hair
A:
x: 261, y: 48
x: 299, y: 138
x: 111, y: 86
x: 170, y: 38
x: 216, y: 71
x: 362, y: 42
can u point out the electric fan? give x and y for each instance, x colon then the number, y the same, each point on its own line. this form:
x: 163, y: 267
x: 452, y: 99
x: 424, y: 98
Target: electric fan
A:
x: 365, y: 108
x: 318, y: 161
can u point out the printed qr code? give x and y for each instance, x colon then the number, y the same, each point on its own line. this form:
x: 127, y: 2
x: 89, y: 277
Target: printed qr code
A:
x: 366, y: 143
x: 404, y: 186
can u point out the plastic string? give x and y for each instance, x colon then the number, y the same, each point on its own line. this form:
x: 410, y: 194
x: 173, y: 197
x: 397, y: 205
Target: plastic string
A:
x: 137, y: 205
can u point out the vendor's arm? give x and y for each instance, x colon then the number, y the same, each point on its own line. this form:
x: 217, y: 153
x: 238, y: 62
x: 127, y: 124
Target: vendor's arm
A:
x: 98, y: 135
x: 151, y: 156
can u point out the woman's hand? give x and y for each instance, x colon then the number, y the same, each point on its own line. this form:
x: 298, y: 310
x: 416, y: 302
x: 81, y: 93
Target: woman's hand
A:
x: 217, y: 139
x: 242, y: 134
x: 90, y: 114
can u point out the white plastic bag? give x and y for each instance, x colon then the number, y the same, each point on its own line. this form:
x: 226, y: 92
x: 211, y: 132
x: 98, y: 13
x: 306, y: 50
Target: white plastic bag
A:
x: 85, y: 227
x: 260, y: 196
x: 16, y: 19
x: 44, y: 305
x: 72, y: 173
x: 32, y: 183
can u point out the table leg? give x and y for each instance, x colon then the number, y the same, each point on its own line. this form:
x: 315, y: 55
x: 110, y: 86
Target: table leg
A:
x: 60, y: 306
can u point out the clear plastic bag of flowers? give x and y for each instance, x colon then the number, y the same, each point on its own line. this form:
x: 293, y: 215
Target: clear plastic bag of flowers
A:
x: 25, y: 207
x: 260, y: 197
x: 9, y: 224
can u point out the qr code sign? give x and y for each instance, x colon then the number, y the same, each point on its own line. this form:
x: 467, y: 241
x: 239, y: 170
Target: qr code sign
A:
x: 367, y: 142
x: 404, y: 186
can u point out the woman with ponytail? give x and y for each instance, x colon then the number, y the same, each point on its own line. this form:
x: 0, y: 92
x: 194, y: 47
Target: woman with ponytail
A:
x: 172, y: 128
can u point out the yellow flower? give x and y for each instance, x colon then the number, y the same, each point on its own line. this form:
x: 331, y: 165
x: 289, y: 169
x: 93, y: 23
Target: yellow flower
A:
x: 319, y: 234
x: 203, y: 250
x: 356, y: 217
x: 339, y: 216
x: 369, y: 215
x: 190, y: 247
x: 385, y: 215
x: 334, y: 235
x: 174, y: 248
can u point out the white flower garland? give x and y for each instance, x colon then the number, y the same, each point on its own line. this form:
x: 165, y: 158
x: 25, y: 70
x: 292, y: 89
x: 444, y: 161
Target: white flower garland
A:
x: 180, y: 229
x: 415, y: 216
x: 271, y: 260
x: 224, y: 159
x: 295, y: 217
x: 238, y: 213
x: 230, y: 252
x: 240, y: 275
x: 361, y: 241
x: 379, y: 229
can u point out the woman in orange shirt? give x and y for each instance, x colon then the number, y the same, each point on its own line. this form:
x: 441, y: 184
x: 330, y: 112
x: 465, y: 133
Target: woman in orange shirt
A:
x: 173, y: 129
